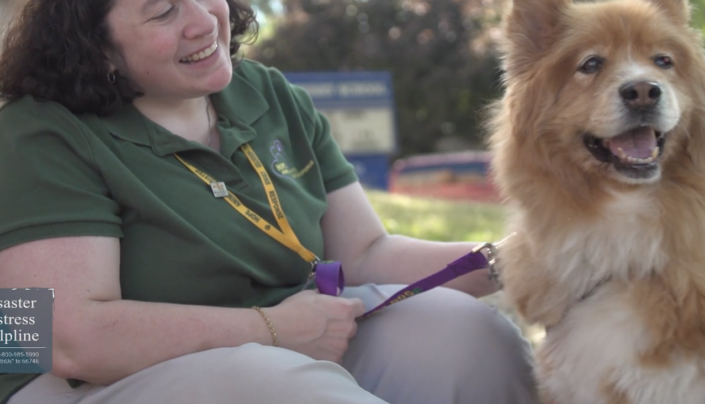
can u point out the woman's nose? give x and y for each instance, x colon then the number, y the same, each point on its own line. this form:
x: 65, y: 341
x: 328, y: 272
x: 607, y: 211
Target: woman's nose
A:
x: 199, y: 20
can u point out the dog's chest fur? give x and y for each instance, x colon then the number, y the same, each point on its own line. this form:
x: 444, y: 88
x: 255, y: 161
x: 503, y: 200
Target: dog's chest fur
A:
x: 596, y: 347
x: 594, y: 352
x: 624, y: 241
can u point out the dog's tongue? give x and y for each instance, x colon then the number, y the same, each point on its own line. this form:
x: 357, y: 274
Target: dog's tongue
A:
x: 637, y: 143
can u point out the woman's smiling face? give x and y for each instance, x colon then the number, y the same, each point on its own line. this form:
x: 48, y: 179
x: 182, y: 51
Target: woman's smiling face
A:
x: 172, y: 49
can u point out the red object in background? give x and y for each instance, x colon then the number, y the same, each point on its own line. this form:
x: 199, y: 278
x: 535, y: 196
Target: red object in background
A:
x: 455, y: 176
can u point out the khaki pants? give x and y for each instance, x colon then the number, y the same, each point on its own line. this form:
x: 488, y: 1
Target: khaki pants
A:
x: 440, y: 347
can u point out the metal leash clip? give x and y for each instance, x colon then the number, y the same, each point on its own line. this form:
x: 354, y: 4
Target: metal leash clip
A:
x: 491, y: 251
x: 312, y: 274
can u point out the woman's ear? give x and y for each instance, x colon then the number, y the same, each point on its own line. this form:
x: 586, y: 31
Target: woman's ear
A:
x: 110, y: 58
x: 111, y: 70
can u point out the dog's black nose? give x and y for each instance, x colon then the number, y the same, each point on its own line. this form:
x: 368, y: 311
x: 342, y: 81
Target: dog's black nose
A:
x: 640, y: 94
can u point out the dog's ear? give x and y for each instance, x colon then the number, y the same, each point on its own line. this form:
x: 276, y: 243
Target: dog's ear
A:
x: 530, y: 27
x: 678, y: 10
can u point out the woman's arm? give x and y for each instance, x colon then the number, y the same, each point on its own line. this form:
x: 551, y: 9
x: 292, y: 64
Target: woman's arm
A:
x: 99, y: 338
x: 355, y: 236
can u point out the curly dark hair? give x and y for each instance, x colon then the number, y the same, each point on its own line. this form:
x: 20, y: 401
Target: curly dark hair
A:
x: 55, y: 51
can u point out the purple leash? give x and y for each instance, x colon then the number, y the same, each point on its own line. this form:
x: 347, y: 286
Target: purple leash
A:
x: 330, y: 279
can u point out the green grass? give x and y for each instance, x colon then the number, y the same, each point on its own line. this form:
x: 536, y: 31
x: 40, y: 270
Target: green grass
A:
x: 438, y: 220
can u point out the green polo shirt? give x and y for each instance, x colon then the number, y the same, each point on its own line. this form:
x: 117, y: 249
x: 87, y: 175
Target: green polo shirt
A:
x: 66, y: 175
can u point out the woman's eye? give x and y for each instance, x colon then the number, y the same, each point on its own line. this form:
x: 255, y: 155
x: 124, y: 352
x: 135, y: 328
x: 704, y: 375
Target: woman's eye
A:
x: 165, y: 14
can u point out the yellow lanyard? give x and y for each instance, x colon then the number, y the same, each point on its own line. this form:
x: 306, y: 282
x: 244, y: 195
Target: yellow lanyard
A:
x: 286, y: 236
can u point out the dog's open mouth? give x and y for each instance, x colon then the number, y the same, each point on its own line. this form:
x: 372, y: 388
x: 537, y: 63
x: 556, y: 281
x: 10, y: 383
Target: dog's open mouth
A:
x: 636, y: 150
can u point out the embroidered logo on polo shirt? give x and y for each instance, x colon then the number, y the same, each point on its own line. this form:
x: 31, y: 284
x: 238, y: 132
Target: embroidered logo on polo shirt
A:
x: 281, y: 167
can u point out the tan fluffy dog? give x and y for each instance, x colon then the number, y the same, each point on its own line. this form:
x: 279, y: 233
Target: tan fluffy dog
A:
x: 600, y: 153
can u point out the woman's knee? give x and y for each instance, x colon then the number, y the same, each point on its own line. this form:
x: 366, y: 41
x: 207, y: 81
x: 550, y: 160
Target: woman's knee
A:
x: 249, y: 372
x: 499, y: 361
x: 249, y: 358
x: 252, y: 363
x: 450, y: 343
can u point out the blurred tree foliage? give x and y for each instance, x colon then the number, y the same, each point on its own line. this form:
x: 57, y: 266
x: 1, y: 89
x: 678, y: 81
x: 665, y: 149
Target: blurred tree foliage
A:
x: 698, y: 14
x: 438, y: 51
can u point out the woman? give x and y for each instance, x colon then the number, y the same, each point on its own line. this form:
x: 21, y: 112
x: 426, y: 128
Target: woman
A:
x: 167, y: 294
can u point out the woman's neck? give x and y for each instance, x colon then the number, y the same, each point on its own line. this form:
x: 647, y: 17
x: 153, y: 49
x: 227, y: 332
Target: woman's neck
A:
x: 193, y: 119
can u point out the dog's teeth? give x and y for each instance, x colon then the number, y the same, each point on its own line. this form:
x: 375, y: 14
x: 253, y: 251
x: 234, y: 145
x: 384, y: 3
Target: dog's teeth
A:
x: 637, y: 160
x: 624, y: 158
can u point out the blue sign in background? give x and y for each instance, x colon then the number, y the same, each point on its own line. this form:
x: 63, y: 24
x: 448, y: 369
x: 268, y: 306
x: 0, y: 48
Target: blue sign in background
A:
x: 346, y: 89
x: 333, y: 91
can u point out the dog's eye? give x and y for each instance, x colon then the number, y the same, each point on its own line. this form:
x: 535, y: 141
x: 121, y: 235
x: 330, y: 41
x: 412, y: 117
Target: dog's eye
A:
x: 591, y: 65
x: 663, y: 61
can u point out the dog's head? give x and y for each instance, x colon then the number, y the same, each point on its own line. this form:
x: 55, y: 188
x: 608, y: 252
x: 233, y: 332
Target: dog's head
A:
x: 607, y: 89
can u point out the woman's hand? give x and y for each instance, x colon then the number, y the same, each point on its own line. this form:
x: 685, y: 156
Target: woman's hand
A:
x: 316, y: 325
